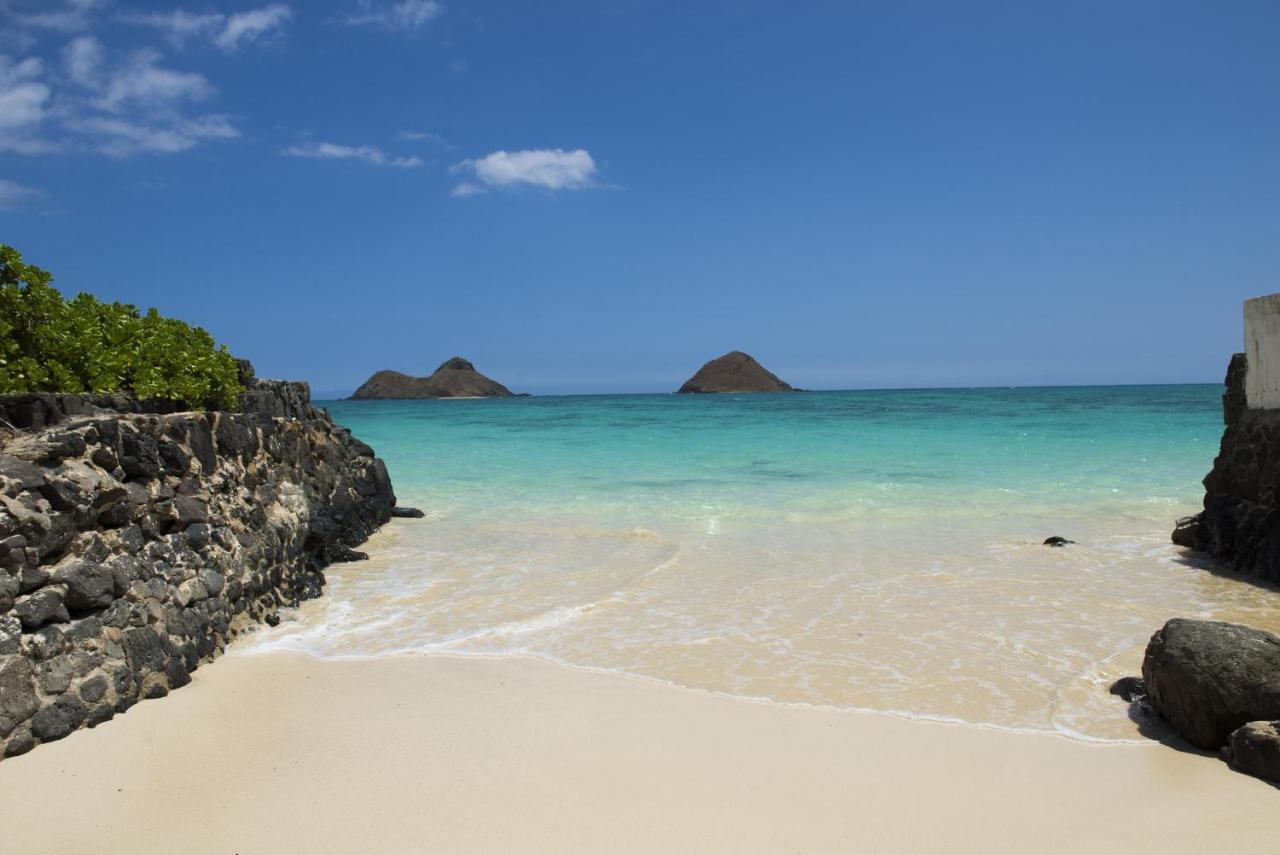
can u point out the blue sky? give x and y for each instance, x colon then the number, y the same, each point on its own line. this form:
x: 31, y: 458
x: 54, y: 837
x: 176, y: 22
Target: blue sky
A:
x: 600, y: 196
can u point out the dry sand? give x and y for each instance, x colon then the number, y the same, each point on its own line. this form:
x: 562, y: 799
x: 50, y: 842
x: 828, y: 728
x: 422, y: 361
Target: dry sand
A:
x: 280, y: 753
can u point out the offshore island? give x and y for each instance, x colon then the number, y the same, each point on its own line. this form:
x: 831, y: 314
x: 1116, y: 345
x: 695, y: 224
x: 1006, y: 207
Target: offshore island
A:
x: 734, y: 372
x: 455, y: 378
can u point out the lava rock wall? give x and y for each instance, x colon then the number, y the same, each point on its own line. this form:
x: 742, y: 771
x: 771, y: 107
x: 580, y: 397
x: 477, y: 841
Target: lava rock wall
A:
x: 135, y: 544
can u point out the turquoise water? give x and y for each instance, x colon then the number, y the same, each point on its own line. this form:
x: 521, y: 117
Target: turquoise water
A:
x: 937, y: 451
x: 870, y: 550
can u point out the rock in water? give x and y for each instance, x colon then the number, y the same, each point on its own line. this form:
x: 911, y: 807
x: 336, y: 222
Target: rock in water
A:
x: 1255, y: 749
x: 1186, y: 532
x: 734, y: 372
x: 1129, y: 688
x: 1057, y: 541
x: 1208, y: 678
x: 455, y: 378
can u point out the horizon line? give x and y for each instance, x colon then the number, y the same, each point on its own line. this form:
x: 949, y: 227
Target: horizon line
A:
x: 798, y: 390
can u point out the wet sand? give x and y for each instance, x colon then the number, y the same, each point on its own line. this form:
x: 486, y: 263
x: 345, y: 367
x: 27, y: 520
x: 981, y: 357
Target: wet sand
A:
x: 280, y: 752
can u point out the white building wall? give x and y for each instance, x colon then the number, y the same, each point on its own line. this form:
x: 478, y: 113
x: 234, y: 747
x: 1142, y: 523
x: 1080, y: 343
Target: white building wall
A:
x: 1262, y: 347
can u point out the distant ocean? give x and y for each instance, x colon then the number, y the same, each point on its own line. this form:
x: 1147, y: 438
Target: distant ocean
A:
x: 870, y: 550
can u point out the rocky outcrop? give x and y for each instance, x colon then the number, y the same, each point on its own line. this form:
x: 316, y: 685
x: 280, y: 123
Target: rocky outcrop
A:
x: 1208, y: 678
x: 1255, y: 750
x: 733, y: 372
x: 134, y: 544
x: 1241, y: 518
x: 455, y: 378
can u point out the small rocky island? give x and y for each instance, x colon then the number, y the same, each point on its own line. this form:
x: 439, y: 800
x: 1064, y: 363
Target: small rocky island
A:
x: 734, y: 372
x: 455, y: 378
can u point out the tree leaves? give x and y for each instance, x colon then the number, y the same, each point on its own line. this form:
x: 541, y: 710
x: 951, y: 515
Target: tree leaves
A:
x: 48, y: 344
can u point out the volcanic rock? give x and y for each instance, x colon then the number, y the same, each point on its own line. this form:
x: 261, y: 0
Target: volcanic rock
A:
x: 1208, y: 678
x: 1255, y: 749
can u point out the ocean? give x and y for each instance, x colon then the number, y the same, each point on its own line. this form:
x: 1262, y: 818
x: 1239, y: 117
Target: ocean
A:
x: 870, y: 550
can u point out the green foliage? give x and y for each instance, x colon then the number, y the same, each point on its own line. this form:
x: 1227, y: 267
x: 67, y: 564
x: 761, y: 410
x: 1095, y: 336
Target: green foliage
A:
x: 48, y: 344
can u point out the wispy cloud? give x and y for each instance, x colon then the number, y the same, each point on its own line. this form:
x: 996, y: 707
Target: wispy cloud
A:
x: 249, y: 26
x: 121, y: 137
x: 15, y: 196
x: 422, y: 136
x: 65, y: 16
x: 24, y: 101
x: 117, y: 106
x: 550, y: 168
x: 366, y: 153
x: 404, y: 15
x: 140, y: 80
x: 228, y: 32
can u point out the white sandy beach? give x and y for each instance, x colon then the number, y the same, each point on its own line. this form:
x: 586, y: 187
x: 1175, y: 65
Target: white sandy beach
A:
x: 283, y: 753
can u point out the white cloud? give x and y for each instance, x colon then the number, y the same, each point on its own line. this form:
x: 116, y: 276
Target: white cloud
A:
x: 553, y: 169
x: 83, y: 59
x: 68, y: 16
x: 142, y: 82
x: 24, y: 103
x: 465, y: 189
x: 228, y: 32
x: 22, y: 95
x: 178, y: 26
x: 404, y: 15
x: 249, y: 26
x: 119, y: 107
x: 335, y: 151
x: 121, y: 137
x: 14, y: 196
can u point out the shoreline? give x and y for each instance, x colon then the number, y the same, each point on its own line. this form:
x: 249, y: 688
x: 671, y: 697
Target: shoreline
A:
x: 660, y: 683
x: 278, y: 751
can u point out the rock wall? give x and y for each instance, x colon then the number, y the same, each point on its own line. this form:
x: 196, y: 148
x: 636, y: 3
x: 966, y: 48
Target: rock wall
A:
x: 135, y: 544
x: 1241, y: 518
x: 289, y: 399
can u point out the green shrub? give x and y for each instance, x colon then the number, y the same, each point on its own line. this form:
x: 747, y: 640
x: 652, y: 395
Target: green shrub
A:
x: 48, y: 344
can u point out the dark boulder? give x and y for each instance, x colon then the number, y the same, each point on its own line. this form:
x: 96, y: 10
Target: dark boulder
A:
x: 1255, y: 749
x: 1057, y: 541
x: 1186, y: 531
x: 190, y: 510
x: 140, y: 456
x: 8, y: 590
x: 409, y: 513
x: 10, y: 634
x: 44, y: 606
x: 734, y: 372
x: 1208, y: 678
x: 1129, y: 688
x: 21, y: 743
x: 90, y: 585
x: 58, y: 719
x: 20, y: 475
x: 340, y: 554
x: 17, y: 693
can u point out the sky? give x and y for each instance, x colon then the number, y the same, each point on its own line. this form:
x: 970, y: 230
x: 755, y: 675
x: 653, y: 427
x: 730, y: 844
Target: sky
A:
x: 589, y: 197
